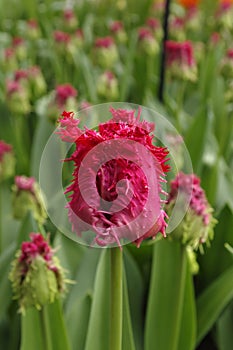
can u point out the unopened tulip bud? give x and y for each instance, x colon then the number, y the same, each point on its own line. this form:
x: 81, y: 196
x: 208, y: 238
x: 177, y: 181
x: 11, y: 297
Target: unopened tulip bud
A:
x: 77, y: 39
x: 155, y: 26
x: 118, y: 31
x: 37, y: 81
x: 180, y: 60
x: 27, y: 197
x: 70, y: 20
x: 7, y: 161
x: 227, y: 64
x: 197, y: 226
x: 36, y: 274
x: 177, y: 25
x: 106, y: 52
x: 147, y: 42
x: 224, y: 15
x: 17, y: 97
x: 33, y: 30
x: 63, y: 98
x: 20, y: 47
x: 229, y: 92
x: 107, y: 86
x: 9, y: 60
x: 63, y: 43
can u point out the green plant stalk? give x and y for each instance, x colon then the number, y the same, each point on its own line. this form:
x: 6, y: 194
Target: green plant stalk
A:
x: 179, y: 304
x: 22, y: 143
x: 150, y: 72
x: 180, y: 104
x: 46, y: 329
x: 116, y: 299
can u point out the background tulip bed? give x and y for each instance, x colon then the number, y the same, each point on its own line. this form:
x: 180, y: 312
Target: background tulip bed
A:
x: 56, y: 56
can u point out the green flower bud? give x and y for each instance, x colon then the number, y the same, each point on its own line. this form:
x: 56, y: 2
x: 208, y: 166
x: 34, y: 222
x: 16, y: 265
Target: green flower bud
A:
x: 70, y: 20
x: 36, y: 275
x: 229, y: 92
x: 17, y: 98
x: 9, y: 60
x: 106, y: 53
x: 180, y: 60
x: 107, y: 86
x: 7, y: 161
x: 32, y: 30
x: 27, y: 196
x: 20, y: 47
x: 147, y: 42
x: 118, y: 31
x: 227, y: 64
x: 197, y: 226
x: 37, y: 81
x: 224, y: 17
x: 62, y: 99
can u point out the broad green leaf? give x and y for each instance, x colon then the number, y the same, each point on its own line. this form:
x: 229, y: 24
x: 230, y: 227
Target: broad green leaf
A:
x: 196, y: 136
x: 127, y: 72
x: 87, y: 71
x: 8, y: 225
x: 166, y: 297
x: 208, y: 72
x: 225, y: 186
x: 43, y: 131
x: 99, y: 327
x: 209, y: 176
x: 88, y: 27
x: 5, y: 286
x: 221, y: 120
x: 224, y: 329
x: 70, y: 253
x: 77, y: 320
x: 12, y: 337
x: 212, y: 302
x: 210, y: 171
x: 211, y: 267
x: 79, y: 299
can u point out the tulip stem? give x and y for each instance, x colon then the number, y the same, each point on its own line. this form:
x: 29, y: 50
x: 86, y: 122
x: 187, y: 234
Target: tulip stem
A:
x: 21, y: 143
x: 116, y: 299
x: 46, y: 329
x: 180, y: 104
x: 180, y: 298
